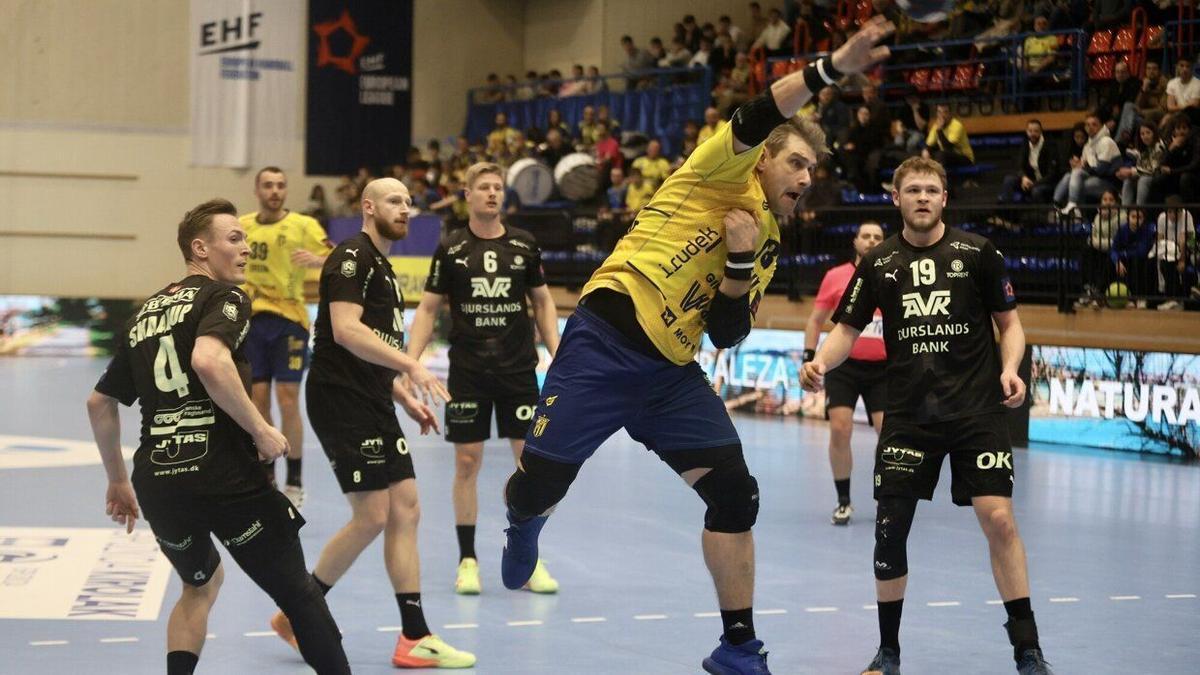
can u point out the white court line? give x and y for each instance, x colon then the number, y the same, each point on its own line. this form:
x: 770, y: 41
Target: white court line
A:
x: 389, y: 629
x: 944, y: 603
x: 814, y: 610
x: 706, y: 615
x: 116, y: 640
x: 766, y: 612
x: 210, y: 636
x: 1124, y: 597
x: 995, y: 602
x: 1067, y: 599
x: 48, y: 643
x: 260, y: 633
x: 460, y: 626
x: 649, y: 617
x: 534, y: 622
x: 588, y: 619
x: 1180, y: 596
x: 870, y: 606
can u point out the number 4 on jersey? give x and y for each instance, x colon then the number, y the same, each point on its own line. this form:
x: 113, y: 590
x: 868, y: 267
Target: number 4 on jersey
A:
x: 168, y: 375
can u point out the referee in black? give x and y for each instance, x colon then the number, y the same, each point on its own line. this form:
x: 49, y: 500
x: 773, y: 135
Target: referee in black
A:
x: 196, y: 471
x: 941, y: 291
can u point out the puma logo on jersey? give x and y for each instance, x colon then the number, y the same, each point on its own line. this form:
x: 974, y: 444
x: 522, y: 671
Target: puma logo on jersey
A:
x: 891, y: 275
x: 938, y: 302
x: 482, y: 287
x: 462, y: 261
x: 352, y: 251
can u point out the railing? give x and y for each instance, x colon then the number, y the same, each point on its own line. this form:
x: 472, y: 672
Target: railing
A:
x: 656, y: 102
x: 997, y: 71
x: 1052, y: 259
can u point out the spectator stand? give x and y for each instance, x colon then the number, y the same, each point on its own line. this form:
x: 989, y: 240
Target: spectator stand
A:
x: 659, y: 110
x: 1181, y: 33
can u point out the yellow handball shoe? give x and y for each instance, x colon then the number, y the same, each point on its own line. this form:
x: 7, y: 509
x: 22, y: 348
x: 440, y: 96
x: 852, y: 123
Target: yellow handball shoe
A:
x: 541, y: 581
x: 467, y: 582
x: 429, y: 652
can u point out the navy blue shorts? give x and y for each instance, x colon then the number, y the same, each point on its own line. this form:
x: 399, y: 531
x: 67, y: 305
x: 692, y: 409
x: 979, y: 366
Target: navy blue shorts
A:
x: 599, y: 382
x: 276, y: 348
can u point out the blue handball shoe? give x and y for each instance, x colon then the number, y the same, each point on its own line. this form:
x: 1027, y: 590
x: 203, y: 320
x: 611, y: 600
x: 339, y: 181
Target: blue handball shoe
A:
x: 748, y: 658
x: 521, y: 551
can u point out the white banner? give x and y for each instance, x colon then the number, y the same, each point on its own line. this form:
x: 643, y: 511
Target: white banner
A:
x: 246, y: 56
x: 90, y: 574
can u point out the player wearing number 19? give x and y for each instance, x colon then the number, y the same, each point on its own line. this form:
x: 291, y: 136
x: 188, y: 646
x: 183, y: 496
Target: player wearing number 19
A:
x: 489, y: 274
x: 358, y: 351
x: 196, y: 469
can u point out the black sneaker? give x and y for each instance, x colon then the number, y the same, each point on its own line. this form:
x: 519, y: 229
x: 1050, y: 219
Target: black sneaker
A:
x: 1031, y: 662
x: 886, y: 662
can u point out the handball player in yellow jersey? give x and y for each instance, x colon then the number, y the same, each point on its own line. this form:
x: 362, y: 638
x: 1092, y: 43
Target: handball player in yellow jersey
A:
x: 696, y: 260
x: 283, y: 244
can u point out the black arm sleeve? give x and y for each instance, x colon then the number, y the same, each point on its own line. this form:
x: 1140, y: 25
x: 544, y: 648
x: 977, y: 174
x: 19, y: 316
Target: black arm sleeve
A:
x: 756, y: 119
x: 728, y: 320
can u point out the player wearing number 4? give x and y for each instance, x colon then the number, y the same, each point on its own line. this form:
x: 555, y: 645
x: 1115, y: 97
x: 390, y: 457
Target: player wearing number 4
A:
x: 283, y: 244
x: 940, y: 291
x: 358, y: 352
x: 489, y: 274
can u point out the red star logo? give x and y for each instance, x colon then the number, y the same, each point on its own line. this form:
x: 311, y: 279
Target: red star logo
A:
x: 359, y: 43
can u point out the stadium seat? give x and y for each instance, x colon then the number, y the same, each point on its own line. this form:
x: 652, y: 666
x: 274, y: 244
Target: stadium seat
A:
x: 1101, y: 43
x: 1152, y: 37
x: 1123, y: 41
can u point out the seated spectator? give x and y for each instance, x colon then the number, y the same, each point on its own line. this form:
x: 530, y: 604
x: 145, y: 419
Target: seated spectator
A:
x: 554, y: 120
x: 595, y: 81
x: 725, y: 25
x: 602, y: 115
x: 1117, y: 99
x: 317, y: 207
x: 1130, y: 256
x: 607, y: 150
x: 529, y: 88
x: 1169, y: 253
x: 615, y: 195
x: 734, y: 89
x: 510, y: 87
x: 1096, y: 261
x: 1179, y: 170
x: 880, y: 115
x: 677, y: 56
x: 758, y: 22
x: 1038, y: 169
x: 637, y: 60
x: 691, y: 135
x: 652, y: 166
x: 775, y: 37
x: 702, y: 55
x: 1094, y: 173
x: 424, y: 196
x: 453, y: 207
x: 555, y: 148
x: 947, y: 141
x: 897, y: 150
x: 500, y: 136
x: 463, y: 155
x: 657, y: 52
x: 1006, y: 17
x: 691, y: 33
x: 712, y: 124
x: 832, y: 114
x: 861, y: 152
x: 1151, y: 101
x: 578, y: 85
x: 723, y: 56
x: 587, y: 127
x: 1040, y: 50
x: 1183, y: 92
x: 1146, y: 152
x: 492, y: 92
x: 915, y: 115
x: 638, y: 191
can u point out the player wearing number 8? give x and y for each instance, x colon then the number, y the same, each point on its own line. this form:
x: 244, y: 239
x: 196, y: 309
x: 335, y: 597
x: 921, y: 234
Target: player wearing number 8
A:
x: 489, y: 274
x: 195, y: 471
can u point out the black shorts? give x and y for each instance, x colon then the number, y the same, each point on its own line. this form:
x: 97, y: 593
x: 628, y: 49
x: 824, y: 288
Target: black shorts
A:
x: 852, y: 379
x: 909, y: 457
x: 474, y: 394
x: 361, y: 438
x: 253, y: 527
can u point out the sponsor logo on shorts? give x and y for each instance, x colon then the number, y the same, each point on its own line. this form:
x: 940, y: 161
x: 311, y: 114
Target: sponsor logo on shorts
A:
x: 994, y: 460
x: 539, y: 425
x: 230, y: 311
x: 902, y: 459
x: 349, y: 268
x: 372, y: 448
x: 462, y: 411
x: 251, y: 532
x: 175, y: 546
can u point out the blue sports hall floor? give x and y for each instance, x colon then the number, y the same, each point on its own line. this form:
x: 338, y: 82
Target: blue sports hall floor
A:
x: 1114, y: 556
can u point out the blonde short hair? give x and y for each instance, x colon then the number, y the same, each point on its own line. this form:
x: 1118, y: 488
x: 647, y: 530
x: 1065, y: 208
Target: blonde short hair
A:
x: 919, y: 165
x: 808, y: 131
x: 478, y: 169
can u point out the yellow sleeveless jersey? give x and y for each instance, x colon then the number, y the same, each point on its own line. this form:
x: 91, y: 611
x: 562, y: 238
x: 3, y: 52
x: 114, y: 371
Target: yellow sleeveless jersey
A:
x: 673, y: 258
x: 274, y: 283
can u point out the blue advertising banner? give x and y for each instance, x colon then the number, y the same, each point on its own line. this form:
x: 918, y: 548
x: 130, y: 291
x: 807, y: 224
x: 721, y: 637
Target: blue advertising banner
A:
x: 359, y: 84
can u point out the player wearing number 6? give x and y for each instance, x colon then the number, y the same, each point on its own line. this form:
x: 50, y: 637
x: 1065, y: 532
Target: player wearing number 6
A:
x: 196, y: 470
x: 358, y: 352
x: 489, y: 274
x: 940, y: 290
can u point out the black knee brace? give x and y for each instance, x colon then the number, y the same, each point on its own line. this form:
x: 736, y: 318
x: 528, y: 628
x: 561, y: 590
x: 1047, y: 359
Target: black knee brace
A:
x: 538, y: 485
x: 731, y: 494
x: 893, y: 520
